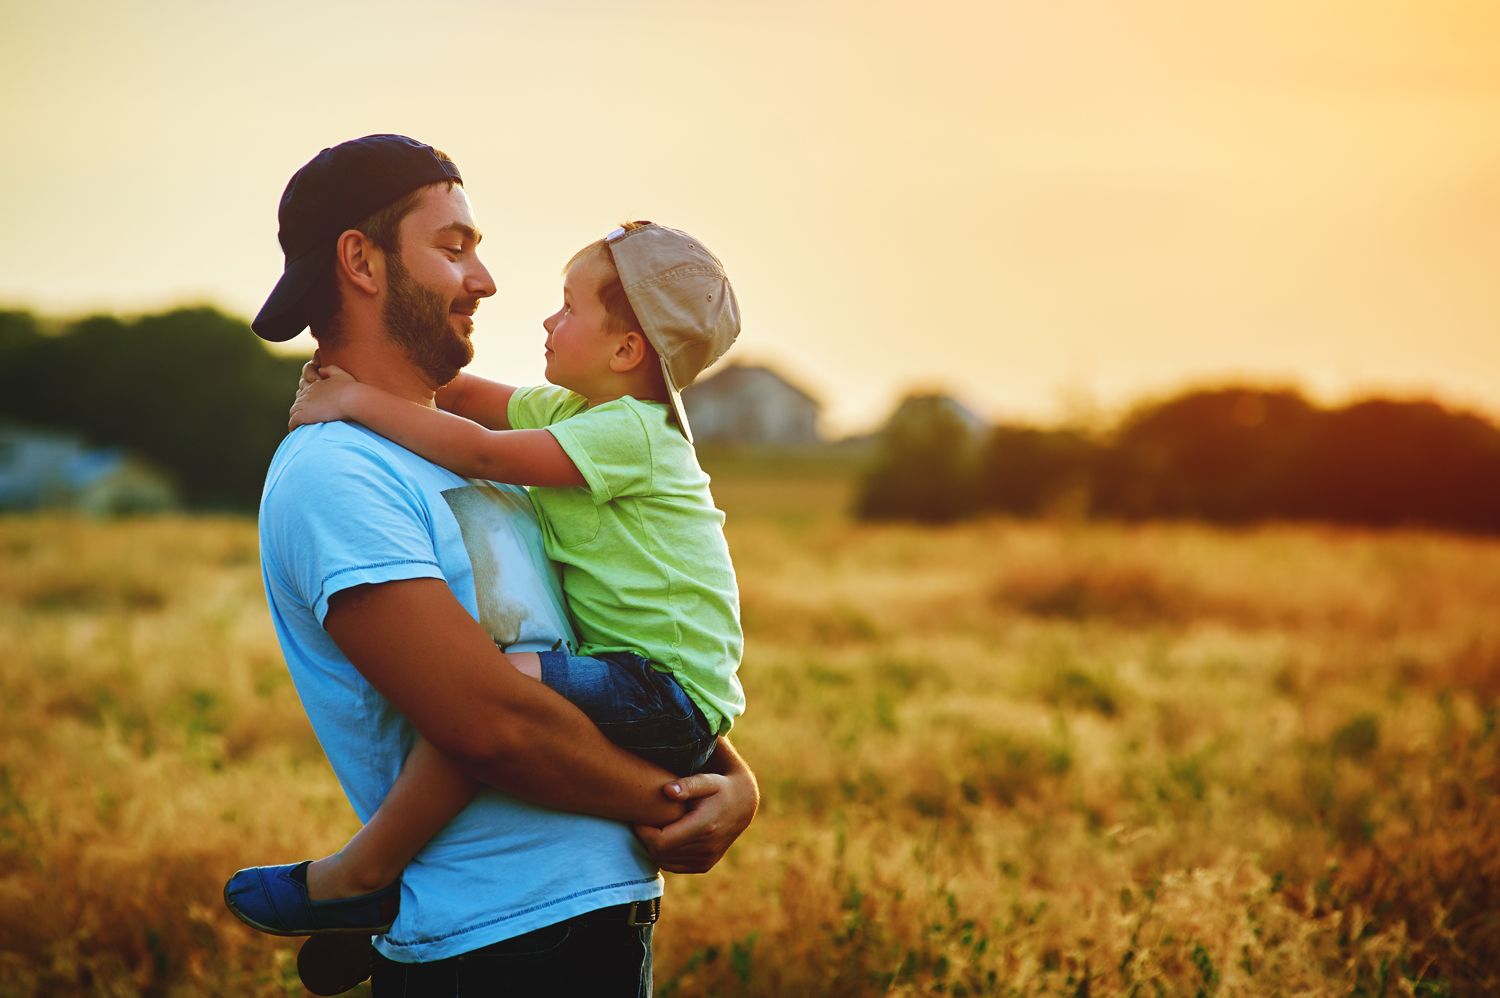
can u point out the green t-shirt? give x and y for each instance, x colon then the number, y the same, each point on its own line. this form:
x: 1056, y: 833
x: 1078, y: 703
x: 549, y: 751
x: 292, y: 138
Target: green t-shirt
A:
x: 644, y: 562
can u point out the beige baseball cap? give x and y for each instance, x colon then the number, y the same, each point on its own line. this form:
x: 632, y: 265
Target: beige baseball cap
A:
x: 682, y: 296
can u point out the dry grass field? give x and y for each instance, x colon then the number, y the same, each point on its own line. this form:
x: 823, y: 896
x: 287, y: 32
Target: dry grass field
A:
x: 998, y: 758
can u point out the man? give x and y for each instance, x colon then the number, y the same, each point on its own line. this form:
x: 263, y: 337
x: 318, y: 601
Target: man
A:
x: 395, y: 586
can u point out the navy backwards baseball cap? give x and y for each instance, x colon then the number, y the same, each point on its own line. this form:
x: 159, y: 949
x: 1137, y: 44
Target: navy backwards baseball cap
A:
x: 337, y: 189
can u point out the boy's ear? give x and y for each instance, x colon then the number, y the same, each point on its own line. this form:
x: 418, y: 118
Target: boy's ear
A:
x: 630, y: 352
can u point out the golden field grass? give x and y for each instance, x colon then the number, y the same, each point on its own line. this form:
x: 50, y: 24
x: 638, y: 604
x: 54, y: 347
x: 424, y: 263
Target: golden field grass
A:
x: 997, y: 758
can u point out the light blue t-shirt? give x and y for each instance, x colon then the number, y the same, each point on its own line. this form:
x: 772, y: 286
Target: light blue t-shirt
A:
x: 343, y: 507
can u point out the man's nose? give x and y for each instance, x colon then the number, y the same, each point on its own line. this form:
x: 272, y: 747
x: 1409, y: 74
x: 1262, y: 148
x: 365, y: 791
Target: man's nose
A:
x: 479, y: 283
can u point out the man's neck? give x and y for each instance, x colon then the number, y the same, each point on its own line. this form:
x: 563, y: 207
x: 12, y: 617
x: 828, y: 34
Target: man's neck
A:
x: 374, y: 360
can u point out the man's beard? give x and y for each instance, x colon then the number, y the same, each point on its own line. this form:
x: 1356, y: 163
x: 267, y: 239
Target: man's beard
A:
x: 418, y: 320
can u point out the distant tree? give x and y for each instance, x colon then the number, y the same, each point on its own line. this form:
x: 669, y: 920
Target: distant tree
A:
x: 1238, y: 455
x: 1222, y: 455
x: 192, y: 390
x: 1026, y: 471
x: 18, y: 331
x: 1228, y: 455
x: 1385, y: 463
x: 925, y: 464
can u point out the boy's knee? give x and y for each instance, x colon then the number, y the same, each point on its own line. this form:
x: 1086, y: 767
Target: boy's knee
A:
x: 527, y: 662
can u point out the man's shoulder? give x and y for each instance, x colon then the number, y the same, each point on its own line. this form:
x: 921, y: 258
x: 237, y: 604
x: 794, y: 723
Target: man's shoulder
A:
x: 323, y: 450
x: 340, y: 501
x: 337, y: 476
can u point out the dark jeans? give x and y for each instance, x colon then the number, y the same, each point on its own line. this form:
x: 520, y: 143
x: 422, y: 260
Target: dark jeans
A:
x: 639, y: 708
x: 585, y: 957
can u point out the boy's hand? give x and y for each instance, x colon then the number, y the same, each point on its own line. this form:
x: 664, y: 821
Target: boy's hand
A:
x: 324, y: 400
x: 310, y: 375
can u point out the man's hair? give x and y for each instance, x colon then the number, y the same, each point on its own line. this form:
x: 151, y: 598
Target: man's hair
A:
x: 619, y: 317
x: 383, y: 228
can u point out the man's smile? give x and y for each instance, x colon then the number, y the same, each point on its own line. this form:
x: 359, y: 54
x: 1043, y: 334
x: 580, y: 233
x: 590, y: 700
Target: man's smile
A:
x: 464, y: 312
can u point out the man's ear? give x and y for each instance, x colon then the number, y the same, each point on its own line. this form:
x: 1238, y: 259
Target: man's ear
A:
x: 360, y: 261
x: 629, y: 353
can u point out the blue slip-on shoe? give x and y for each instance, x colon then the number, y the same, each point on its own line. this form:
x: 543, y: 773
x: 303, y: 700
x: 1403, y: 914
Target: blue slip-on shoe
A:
x: 274, y: 899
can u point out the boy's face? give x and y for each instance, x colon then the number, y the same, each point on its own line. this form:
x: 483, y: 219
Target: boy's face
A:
x: 579, y: 343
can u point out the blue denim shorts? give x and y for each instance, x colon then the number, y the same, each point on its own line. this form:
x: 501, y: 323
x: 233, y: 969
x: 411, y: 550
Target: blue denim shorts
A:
x: 637, y: 707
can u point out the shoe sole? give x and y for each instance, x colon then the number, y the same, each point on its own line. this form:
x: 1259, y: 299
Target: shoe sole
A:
x: 331, y: 965
x: 258, y: 927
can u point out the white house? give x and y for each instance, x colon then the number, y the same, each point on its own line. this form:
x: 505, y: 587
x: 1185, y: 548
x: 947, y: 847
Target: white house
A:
x: 743, y: 404
x: 50, y: 469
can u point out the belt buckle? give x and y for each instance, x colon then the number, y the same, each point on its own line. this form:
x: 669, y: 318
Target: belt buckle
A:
x: 643, y: 913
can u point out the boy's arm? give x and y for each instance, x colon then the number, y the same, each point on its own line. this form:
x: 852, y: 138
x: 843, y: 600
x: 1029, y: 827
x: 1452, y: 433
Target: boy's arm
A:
x: 484, y: 401
x: 521, y: 457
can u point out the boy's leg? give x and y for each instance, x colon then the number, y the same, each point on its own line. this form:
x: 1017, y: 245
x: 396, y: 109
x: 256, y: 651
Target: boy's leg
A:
x: 639, y: 708
x: 427, y: 795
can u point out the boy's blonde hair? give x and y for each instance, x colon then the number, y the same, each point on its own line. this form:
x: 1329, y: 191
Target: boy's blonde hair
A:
x: 619, y: 316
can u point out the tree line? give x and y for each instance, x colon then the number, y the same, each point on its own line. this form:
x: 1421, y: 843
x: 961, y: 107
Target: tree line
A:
x: 193, y: 391
x: 1231, y: 456
x: 196, y: 393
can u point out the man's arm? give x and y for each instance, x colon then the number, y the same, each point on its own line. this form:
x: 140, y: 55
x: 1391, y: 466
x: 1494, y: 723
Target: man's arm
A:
x: 418, y: 646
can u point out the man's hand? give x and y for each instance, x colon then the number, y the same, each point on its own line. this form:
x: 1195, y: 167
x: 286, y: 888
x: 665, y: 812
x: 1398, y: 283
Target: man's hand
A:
x: 722, y: 803
x: 325, y: 400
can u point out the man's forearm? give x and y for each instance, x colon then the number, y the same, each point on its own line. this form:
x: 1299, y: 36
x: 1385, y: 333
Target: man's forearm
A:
x: 418, y: 646
x: 551, y: 754
x: 727, y: 762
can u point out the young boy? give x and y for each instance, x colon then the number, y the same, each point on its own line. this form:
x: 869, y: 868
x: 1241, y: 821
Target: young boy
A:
x: 625, y: 511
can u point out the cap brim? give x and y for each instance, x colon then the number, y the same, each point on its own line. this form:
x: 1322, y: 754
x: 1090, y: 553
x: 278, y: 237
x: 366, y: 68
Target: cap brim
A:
x: 676, y: 397
x: 284, y: 314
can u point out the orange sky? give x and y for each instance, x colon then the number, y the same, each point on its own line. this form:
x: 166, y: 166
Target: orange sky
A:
x: 1032, y: 205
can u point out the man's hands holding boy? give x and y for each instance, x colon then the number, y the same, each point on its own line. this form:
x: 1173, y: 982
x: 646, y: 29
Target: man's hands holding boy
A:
x: 723, y: 802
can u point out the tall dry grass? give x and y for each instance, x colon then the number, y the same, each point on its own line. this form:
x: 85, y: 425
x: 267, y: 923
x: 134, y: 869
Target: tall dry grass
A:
x: 996, y: 759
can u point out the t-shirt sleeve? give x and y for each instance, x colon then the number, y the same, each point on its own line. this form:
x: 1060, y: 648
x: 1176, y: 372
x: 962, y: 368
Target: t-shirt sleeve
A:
x: 611, y: 448
x: 341, y: 515
x: 542, y: 405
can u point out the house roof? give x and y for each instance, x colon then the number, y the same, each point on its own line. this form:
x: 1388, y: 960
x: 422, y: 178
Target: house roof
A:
x: 737, y: 377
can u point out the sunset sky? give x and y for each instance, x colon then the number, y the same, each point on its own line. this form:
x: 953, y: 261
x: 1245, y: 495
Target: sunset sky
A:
x: 1035, y: 206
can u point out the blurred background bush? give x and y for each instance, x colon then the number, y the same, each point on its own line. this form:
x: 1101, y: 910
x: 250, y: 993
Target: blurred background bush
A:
x: 191, y: 393
x: 1229, y: 455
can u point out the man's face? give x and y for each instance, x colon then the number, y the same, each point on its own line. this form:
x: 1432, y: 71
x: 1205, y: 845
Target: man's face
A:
x: 434, y: 287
